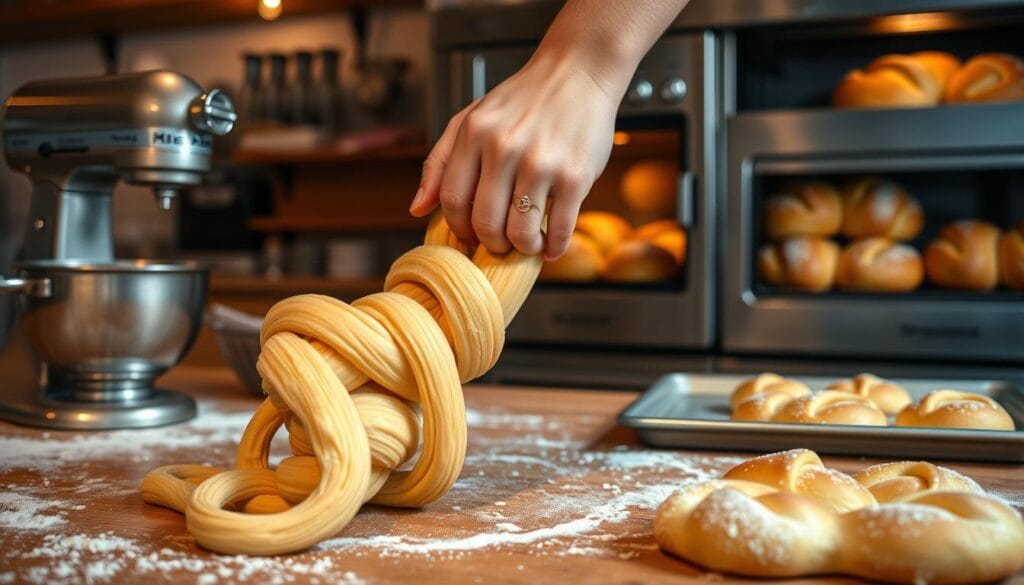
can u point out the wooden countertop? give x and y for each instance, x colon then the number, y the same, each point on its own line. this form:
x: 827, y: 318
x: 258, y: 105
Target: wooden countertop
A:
x: 552, y: 491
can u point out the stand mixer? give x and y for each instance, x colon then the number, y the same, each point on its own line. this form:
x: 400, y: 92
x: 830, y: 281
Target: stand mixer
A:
x: 90, y: 334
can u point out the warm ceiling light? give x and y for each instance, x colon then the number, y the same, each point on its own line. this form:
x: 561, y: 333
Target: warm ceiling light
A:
x: 919, y: 22
x: 270, y: 9
x: 620, y: 138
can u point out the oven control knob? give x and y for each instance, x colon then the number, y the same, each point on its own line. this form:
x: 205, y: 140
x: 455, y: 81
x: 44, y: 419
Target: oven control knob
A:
x: 640, y: 92
x: 673, y: 90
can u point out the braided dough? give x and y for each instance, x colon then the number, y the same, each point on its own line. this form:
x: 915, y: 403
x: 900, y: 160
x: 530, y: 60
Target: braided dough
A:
x: 786, y: 515
x: 955, y: 409
x: 356, y: 386
x: 772, y: 398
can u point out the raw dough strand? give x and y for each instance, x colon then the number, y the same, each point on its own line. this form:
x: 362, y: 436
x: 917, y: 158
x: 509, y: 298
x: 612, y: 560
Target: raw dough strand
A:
x: 355, y: 384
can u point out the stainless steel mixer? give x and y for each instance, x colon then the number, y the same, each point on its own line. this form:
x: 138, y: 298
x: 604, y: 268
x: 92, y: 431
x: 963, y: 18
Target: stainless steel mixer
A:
x: 90, y: 334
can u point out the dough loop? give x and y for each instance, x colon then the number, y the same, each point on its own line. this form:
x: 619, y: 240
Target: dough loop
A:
x: 361, y: 388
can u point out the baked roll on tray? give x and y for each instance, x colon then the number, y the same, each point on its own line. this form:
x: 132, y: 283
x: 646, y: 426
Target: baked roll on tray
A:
x: 896, y: 80
x: 788, y: 515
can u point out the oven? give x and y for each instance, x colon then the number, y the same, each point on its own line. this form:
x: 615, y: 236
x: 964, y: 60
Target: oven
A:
x: 640, y: 271
x: 918, y: 265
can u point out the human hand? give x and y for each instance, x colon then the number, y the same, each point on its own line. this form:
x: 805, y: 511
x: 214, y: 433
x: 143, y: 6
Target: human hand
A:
x: 544, y: 133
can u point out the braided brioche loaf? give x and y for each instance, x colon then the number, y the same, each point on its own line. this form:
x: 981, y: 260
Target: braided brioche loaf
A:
x: 357, y: 386
x: 787, y: 515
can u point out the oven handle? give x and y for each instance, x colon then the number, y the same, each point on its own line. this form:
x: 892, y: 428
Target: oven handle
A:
x: 687, y: 191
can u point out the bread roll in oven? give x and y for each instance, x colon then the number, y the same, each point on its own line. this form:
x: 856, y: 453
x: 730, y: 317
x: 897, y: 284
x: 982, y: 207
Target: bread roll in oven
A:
x: 807, y: 263
x: 875, y: 206
x: 604, y: 228
x: 991, y: 77
x: 1011, y: 257
x: 915, y: 80
x: 965, y: 256
x: 639, y: 261
x: 879, y: 265
x: 666, y: 234
x: 805, y: 208
x: 582, y: 262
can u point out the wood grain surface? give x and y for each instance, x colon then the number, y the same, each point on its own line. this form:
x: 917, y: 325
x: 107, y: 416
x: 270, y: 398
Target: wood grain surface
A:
x: 552, y: 492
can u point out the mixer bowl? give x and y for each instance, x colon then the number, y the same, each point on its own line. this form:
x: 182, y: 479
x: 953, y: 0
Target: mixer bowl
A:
x: 107, y: 331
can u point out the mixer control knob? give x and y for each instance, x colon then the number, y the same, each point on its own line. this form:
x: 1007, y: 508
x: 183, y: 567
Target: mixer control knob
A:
x: 673, y: 90
x: 640, y: 92
x: 213, y: 112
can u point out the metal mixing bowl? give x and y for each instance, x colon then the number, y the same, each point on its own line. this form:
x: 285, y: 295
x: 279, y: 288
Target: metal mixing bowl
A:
x: 106, y: 331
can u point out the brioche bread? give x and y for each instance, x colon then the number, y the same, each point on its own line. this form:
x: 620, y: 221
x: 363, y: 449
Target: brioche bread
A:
x: 888, y: 396
x: 666, y: 234
x: 955, y: 409
x: 990, y: 77
x: 651, y: 187
x: 582, y: 262
x: 806, y: 208
x: 879, y: 264
x: 807, y: 263
x: 875, y: 206
x: 896, y: 80
x: 964, y: 256
x: 1011, y: 257
x: 606, y: 229
x: 639, y: 261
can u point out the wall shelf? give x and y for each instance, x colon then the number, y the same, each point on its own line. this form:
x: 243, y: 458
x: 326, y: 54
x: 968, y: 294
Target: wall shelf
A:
x: 45, y: 20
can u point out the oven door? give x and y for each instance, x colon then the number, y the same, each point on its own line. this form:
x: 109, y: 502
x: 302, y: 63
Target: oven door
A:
x: 665, y: 131
x: 959, y: 162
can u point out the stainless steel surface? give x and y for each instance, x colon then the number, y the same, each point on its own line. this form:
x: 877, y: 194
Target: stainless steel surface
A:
x: 628, y: 317
x: 951, y: 137
x: 85, y: 354
x: 692, y: 411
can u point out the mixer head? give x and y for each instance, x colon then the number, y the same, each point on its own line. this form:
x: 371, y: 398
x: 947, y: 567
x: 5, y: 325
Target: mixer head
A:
x: 151, y: 129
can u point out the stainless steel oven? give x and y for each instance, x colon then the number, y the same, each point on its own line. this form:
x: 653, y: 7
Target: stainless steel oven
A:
x: 960, y: 165
x: 659, y: 177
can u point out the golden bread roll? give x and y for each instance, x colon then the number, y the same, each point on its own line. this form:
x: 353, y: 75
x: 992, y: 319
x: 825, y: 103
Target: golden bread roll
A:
x: 888, y: 396
x: 604, y: 228
x: 991, y: 77
x: 874, y: 206
x: 639, y: 261
x: 879, y: 265
x: 666, y: 234
x: 651, y: 187
x: 837, y: 408
x: 965, y: 256
x: 801, y: 471
x: 1011, y: 257
x: 897, y: 480
x: 806, y: 208
x: 786, y: 515
x: 916, y: 80
x: 767, y: 383
x: 807, y: 263
x: 956, y: 410
x: 582, y: 262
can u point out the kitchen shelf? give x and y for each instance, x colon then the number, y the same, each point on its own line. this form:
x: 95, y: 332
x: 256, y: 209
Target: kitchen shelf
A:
x: 403, y: 152
x: 290, y: 285
x: 335, y: 224
x: 45, y: 20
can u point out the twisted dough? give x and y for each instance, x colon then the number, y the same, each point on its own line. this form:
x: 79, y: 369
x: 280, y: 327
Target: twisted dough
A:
x: 829, y: 406
x: 782, y: 516
x: 888, y: 396
x: 356, y: 385
x: 955, y: 409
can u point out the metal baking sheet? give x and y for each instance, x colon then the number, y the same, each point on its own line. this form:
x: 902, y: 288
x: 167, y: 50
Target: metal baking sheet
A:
x: 692, y: 411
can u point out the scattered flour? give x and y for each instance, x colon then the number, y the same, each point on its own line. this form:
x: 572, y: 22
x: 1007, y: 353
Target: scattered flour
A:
x: 24, y: 512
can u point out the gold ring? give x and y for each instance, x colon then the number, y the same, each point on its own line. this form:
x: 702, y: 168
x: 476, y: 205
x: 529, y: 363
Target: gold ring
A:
x: 524, y: 204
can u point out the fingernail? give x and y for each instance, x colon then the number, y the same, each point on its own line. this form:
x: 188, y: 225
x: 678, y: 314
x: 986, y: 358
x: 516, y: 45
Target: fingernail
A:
x: 416, y: 199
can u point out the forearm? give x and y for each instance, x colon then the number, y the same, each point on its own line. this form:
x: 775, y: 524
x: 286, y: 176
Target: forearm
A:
x: 607, y: 37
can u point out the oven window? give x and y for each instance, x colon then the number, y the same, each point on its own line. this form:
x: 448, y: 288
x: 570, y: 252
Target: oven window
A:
x: 629, y: 234
x: 934, y: 235
x: 904, y: 60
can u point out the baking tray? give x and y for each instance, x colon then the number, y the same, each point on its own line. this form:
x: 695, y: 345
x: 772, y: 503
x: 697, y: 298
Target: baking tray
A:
x: 692, y: 411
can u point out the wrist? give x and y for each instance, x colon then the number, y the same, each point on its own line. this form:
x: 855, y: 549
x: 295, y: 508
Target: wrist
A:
x: 609, y: 59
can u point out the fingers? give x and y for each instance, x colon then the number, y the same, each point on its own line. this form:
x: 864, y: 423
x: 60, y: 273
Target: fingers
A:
x: 570, y: 188
x: 429, y: 192
x: 461, y: 174
x: 524, y: 228
x: 491, y: 206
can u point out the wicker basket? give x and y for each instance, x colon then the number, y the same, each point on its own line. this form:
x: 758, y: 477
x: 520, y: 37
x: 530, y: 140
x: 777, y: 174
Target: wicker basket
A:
x: 238, y: 336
